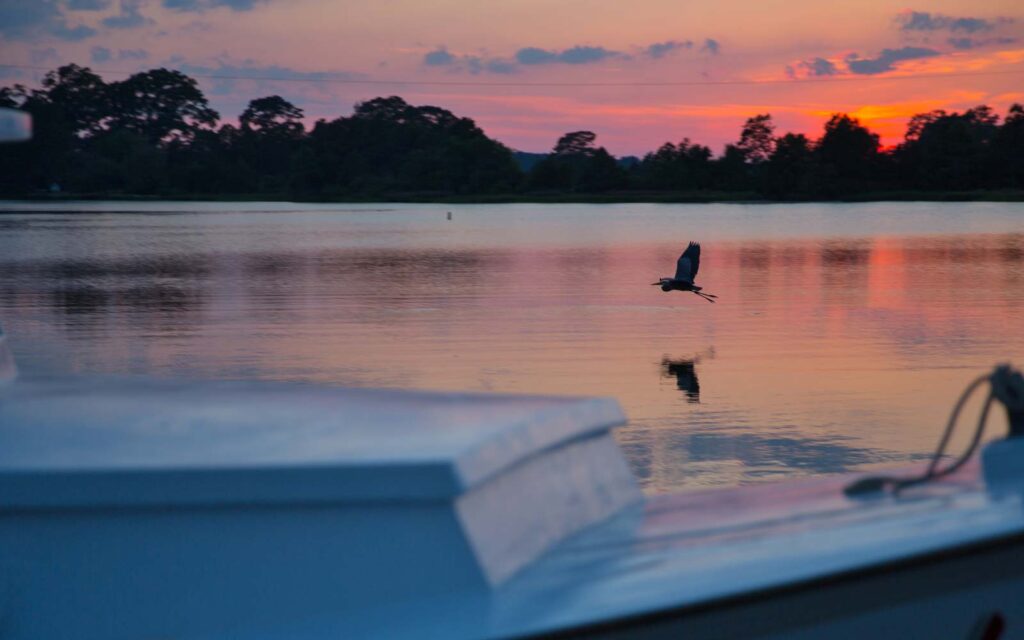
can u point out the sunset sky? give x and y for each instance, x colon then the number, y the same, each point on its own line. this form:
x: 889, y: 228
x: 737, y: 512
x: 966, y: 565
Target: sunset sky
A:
x: 637, y: 73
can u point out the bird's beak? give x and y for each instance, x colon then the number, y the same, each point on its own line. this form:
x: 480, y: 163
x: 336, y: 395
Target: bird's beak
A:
x: 654, y: 284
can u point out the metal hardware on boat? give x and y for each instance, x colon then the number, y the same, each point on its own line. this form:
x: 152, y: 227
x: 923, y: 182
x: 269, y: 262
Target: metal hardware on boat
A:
x: 1008, y: 388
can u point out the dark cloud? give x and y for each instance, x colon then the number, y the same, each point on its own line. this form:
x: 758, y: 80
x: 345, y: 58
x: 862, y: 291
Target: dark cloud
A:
x: 925, y: 21
x: 711, y: 47
x: 199, y: 6
x: 73, y: 34
x: 962, y: 43
x: 975, y: 43
x: 536, y: 56
x: 132, y: 54
x: 439, y: 58
x: 820, y: 67
x: 573, y: 55
x: 813, y: 68
x: 533, y: 55
x: 128, y: 18
x: 476, y: 64
x: 88, y: 5
x: 962, y: 33
x: 19, y: 18
x: 662, y: 49
x: 100, y: 54
x: 30, y: 19
x: 971, y: 25
x: 886, y: 60
x: 586, y: 55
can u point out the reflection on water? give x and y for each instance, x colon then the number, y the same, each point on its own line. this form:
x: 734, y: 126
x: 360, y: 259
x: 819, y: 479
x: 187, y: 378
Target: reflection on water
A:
x: 685, y: 373
x: 842, y: 335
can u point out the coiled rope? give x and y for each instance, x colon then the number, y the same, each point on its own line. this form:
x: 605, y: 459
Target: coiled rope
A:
x: 1005, y: 385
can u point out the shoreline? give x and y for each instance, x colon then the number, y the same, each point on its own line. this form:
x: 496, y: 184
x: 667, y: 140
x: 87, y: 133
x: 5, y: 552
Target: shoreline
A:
x: 541, y: 198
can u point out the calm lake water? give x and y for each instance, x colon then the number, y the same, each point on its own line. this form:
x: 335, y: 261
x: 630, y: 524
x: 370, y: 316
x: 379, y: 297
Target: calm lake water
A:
x: 842, y: 336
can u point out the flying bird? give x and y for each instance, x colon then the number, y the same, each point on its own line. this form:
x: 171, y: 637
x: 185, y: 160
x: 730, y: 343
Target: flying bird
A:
x: 686, y: 271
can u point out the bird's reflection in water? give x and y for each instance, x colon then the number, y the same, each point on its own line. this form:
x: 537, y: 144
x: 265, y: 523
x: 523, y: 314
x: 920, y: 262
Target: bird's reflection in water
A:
x: 685, y: 373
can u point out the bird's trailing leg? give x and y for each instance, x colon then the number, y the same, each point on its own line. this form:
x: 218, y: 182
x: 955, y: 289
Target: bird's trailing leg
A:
x: 700, y: 291
x: 707, y: 296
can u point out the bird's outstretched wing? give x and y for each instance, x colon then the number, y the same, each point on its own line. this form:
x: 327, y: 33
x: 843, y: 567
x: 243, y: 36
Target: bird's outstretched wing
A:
x: 689, y: 262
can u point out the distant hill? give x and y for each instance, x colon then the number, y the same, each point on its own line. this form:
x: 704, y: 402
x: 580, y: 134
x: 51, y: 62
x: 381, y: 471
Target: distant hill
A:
x: 527, y: 160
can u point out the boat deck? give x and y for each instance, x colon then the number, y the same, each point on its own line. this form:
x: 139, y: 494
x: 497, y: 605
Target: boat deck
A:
x: 683, y: 554
x: 252, y: 510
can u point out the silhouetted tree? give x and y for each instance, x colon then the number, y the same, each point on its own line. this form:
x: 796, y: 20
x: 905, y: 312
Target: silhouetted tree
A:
x: 153, y: 133
x: 161, y: 105
x: 601, y: 172
x: 82, y: 97
x: 389, y: 145
x: 550, y: 174
x: 576, y: 164
x: 757, y: 139
x: 731, y: 170
x: 949, y: 150
x: 576, y: 144
x: 393, y: 110
x: 272, y: 116
x: 140, y: 166
x: 847, y: 155
x: 919, y: 121
x: 271, y: 133
x: 788, y: 170
x: 685, y: 166
x: 1008, y: 149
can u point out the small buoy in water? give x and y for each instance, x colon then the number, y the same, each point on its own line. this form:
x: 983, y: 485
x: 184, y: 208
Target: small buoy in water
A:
x: 449, y: 215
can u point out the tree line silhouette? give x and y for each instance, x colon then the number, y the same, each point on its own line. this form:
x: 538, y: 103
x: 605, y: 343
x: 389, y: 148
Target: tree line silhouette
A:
x: 155, y: 134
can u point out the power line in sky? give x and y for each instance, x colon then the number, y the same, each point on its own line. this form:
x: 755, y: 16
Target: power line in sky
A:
x: 483, y: 83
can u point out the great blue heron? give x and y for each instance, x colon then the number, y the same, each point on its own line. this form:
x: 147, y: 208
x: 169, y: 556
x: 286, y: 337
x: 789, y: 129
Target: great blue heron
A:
x: 686, y: 271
